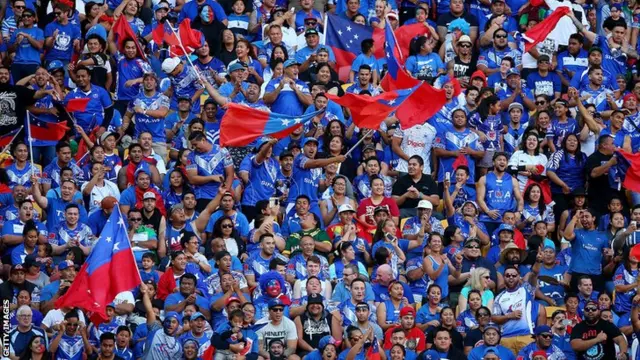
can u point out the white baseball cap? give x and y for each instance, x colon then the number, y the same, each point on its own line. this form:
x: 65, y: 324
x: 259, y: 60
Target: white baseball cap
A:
x: 170, y: 64
x: 425, y: 204
x: 345, y: 207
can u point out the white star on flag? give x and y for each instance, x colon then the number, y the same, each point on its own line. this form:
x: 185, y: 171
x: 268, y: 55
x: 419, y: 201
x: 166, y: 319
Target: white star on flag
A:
x: 285, y: 122
x: 297, y: 120
x: 116, y: 246
x: 108, y: 239
x: 121, y: 222
x: 355, y: 36
x: 340, y: 32
x: 392, y: 102
x: 348, y: 28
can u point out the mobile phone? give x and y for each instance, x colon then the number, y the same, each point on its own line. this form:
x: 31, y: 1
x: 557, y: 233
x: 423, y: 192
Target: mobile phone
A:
x: 447, y: 175
x: 389, y: 237
x: 566, y: 322
x: 633, y: 223
x: 274, y: 201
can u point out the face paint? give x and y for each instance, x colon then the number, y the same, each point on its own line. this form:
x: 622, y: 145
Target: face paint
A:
x: 273, y: 288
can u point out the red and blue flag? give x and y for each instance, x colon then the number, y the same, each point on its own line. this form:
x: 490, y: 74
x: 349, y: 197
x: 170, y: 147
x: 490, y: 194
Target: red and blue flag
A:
x: 396, y: 77
x: 8, y: 138
x: 369, y: 111
x: 47, y: 131
x: 374, y: 351
x: 109, y: 270
x: 344, y: 37
x: 627, y: 170
x: 241, y: 125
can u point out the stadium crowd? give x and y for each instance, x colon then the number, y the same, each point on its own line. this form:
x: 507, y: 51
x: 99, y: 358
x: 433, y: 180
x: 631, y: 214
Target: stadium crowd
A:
x: 498, y: 228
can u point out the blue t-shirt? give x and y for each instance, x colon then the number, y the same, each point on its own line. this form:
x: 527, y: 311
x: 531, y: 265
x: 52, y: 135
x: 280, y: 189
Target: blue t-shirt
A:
x: 209, y: 11
x: 99, y: 100
x: 262, y: 181
x: 212, y: 163
x: 26, y: 53
x: 305, y: 181
x: 129, y: 69
x: 424, y: 67
x: 147, y: 123
x: 547, y: 85
x: 587, y: 250
x: 557, y: 131
x: 556, y: 292
x: 623, y: 277
x: 63, y: 43
x: 287, y: 102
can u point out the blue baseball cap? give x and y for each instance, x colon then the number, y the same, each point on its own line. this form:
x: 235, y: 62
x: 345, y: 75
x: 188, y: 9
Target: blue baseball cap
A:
x: 491, y: 350
x: 548, y: 244
x: 173, y: 314
x: 542, y: 329
x: 276, y: 302
x: 308, y: 140
x: 513, y: 71
x: 97, y: 30
x: 290, y: 62
x: 55, y: 65
x: 196, y: 315
x: 160, y: 5
x: 261, y: 141
x: 235, y: 66
x: 111, y: 304
x: 326, y: 340
x: 505, y: 227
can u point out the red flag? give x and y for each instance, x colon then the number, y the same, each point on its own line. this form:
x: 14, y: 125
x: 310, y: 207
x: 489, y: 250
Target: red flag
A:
x: 404, y: 34
x: 47, y: 131
x: 109, y: 270
x: 8, y: 138
x: 628, y: 170
x: 415, y: 110
x: 635, y: 252
x: 191, y: 39
x: 540, y: 31
x: 378, y: 41
x: 369, y: 111
x: 77, y: 104
x: 208, y: 354
x: 123, y: 31
x: 460, y: 161
x: 160, y: 35
x: 83, y: 148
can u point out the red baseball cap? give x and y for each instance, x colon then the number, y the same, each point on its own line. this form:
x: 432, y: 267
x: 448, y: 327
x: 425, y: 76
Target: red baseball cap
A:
x: 407, y: 310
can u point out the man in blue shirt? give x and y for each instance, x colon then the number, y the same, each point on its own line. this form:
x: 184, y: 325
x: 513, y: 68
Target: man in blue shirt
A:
x: 490, y: 59
x: 52, y: 173
x: 149, y: 108
x: 589, y: 247
x: 184, y: 82
x: 573, y: 60
x: 187, y: 295
x: 581, y: 78
x: 307, y: 55
x: 27, y: 42
x: 518, y: 93
x: 62, y: 37
x: 209, y: 167
x: 20, y: 337
x: 364, y: 82
x: 130, y: 73
x: 99, y: 110
x: 287, y: 94
x: 55, y: 206
x: 543, y: 81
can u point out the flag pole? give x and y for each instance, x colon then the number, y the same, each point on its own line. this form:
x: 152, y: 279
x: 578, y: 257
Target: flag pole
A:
x: 6, y: 148
x: 359, y: 142
x: 33, y: 167
x: 186, y: 53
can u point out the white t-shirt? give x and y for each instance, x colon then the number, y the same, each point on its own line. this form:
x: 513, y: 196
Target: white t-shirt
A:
x: 417, y: 140
x: 521, y: 158
x: 99, y: 193
x: 285, y: 331
x: 125, y: 297
x: 565, y: 28
x: 56, y: 316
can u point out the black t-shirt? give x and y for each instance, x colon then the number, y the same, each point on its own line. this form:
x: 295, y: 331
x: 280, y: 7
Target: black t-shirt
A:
x: 463, y: 70
x: 14, y: 101
x: 585, y: 331
x: 598, y: 199
x: 456, y: 338
x: 425, y: 185
x: 609, y: 23
x: 473, y: 338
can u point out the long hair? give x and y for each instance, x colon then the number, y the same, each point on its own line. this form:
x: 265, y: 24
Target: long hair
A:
x: 523, y: 143
x: 379, y: 234
x: 251, y: 52
x: 580, y: 156
x: 475, y: 279
x: 27, y: 354
x: 542, y: 207
x: 416, y: 45
x: 483, y: 108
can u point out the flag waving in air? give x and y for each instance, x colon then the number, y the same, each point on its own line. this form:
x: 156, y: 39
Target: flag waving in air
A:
x: 7, y: 138
x: 540, y: 31
x: 241, y: 124
x: 369, y: 111
x: 123, y: 31
x: 109, y: 270
x: 627, y: 170
x: 47, y: 131
x: 344, y: 37
x: 396, y: 77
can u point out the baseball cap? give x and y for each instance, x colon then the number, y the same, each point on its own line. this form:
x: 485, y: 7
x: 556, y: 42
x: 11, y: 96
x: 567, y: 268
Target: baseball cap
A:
x: 513, y: 71
x: 149, y: 195
x: 308, y: 140
x: 505, y: 227
x: 563, y: 102
x: 315, y: 299
x: 368, y: 147
x: 235, y: 66
x: 176, y: 207
x: 105, y: 135
x: 492, y: 325
x: 150, y: 73
x: 160, y: 5
x: 579, y: 191
x: 231, y: 299
x: 407, y: 310
x: 18, y: 267
x: 471, y: 240
x: 263, y: 140
x: 490, y: 349
x: 65, y: 265
x: 31, y: 260
x: 294, y: 145
x: 54, y: 65
x: 291, y: 62
x: 393, y: 14
x: 345, y: 207
x: 380, y: 208
x: 616, y: 6
x: 275, y: 303
x: 196, y: 315
x: 515, y: 105
x: 470, y: 202
x: 424, y: 204
x: 185, y: 98
x: 464, y: 39
x: 170, y: 64
x: 541, y: 329
x: 548, y: 244
x: 108, y: 203
x: 111, y: 304
x: 173, y: 314
x: 310, y: 32
x: 326, y: 340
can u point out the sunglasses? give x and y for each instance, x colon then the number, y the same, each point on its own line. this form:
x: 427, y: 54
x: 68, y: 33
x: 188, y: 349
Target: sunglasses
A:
x: 72, y: 325
x: 472, y: 247
x: 57, y: 13
x: 135, y: 219
x: 591, y: 309
x: 465, y: 45
x: 20, y: 7
x: 227, y: 226
x: 486, y: 277
x: 540, y: 102
x: 483, y: 314
x: 546, y: 336
x: 511, y: 276
x: 277, y: 309
x: 501, y: 36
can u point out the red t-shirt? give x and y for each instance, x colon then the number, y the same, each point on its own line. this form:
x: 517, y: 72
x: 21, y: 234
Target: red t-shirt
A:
x: 416, y: 340
x: 366, y: 208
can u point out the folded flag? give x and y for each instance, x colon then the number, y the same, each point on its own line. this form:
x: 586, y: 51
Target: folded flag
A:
x: 540, y: 31
x: 369, y: 111
x: 163, y: 34
x: 47, y: 131
x: 416, y: 110
x: 109, y: 270
x: 8, y: 138
x: 123, y: 31
x: 77, y: 104
x: 396, y: 77
x: 627, y: 170
x: 344, y: 38
x: 241, y: 124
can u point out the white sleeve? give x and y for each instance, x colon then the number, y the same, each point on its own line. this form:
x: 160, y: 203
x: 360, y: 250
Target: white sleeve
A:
x: 292, y: 333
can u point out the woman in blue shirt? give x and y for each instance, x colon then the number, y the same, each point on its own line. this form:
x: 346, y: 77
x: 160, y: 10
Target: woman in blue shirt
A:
x: 624, y: 280
x: 565, y: 171
x: 423, y: 63
x: 438, y: 266
x: 535, y: 209
x: 388, y: 312
x: 467, y: 320
x: 428, y: 316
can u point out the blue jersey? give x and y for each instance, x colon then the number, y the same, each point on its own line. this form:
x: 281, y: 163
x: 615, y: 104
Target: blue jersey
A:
x: 468, y: 192
x: 25, y: 52
x: 70, y: 348
x: 587, y: 251
x: 99, y: 100
x: 557, y: 131
x: 145, y: 123
x: 287, y: 102
x: 492, y: 128
x: 547, y: 85
x: 305, y: 181
x: 613, y: 60
x: 424, y: 67
x: 513, y: 137
x: 204, y: 340
x: 568, y: 168
x: 553, y: 352
x: 55, y: 213
x: 81, y: 232
x: 630, y: 127
x: 63, y: 42
x: 556, y: 292
x: 213, y: 68
x: 256, y: 265
x: 622, y: 302
x: 20, y: 176
x: 492, y: 58
x: 262, y: 181
x: 581, y: 80
x: 523, y: 299
x: 185, y: 84
x: 499, y: 195
x: 212, y: 163
x: 456, y: 140
x: 576, y: 64
x: 506, y: 93
x: 466, y: 322
x: 297, y: 267
x: 129, y: 69
x: 51, y: 173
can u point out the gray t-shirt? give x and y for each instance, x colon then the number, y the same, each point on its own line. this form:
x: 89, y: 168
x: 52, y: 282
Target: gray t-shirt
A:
x: 160, y: 346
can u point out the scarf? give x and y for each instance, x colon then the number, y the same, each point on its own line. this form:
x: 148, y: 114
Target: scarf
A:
x: 159, y: 201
